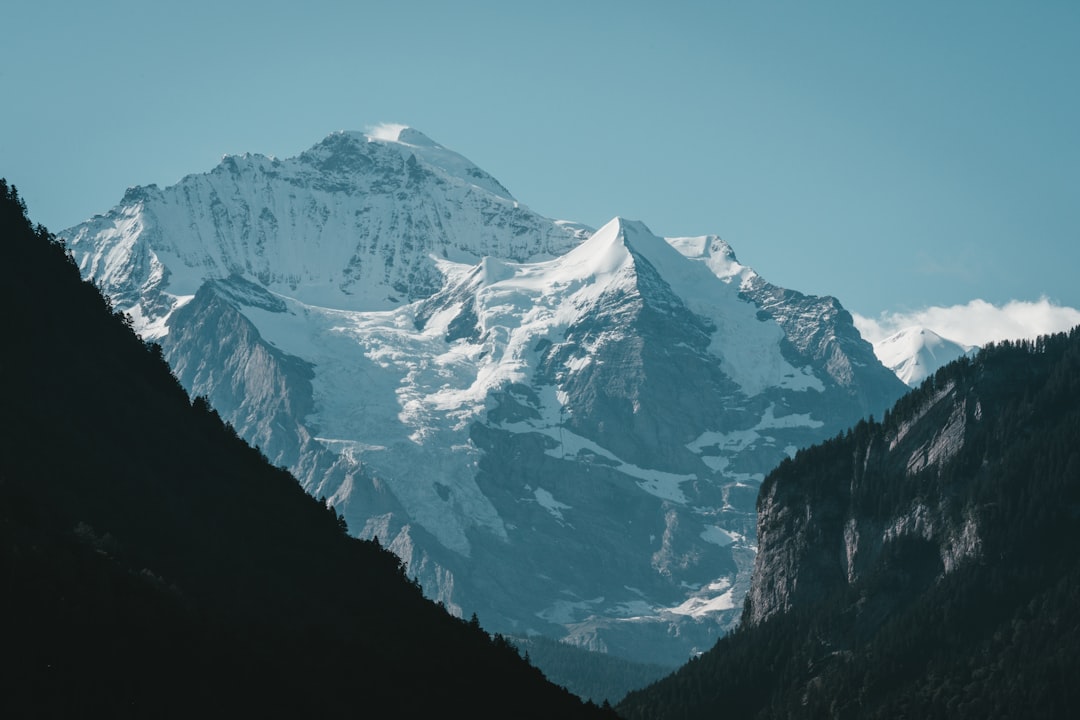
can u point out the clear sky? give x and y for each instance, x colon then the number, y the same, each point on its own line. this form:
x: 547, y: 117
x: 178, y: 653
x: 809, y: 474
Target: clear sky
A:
x: 897, y: 155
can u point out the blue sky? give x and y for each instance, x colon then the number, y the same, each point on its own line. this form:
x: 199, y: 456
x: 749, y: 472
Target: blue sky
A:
x: 899, y: 156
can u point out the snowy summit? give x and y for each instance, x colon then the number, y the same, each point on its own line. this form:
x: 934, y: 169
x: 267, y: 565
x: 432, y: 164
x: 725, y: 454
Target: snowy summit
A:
x: 916, y: 353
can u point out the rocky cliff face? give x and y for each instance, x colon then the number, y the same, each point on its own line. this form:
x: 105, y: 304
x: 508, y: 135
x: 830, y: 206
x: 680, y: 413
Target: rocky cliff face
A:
x: 836, y: 520
x: 561, y: 430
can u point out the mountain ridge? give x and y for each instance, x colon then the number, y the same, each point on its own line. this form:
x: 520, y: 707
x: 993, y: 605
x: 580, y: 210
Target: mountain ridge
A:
x: 244, y: 215
x: 496, y: 384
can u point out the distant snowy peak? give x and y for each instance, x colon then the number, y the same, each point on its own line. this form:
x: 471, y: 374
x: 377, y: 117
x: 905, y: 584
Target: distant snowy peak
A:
x: 915, y: 353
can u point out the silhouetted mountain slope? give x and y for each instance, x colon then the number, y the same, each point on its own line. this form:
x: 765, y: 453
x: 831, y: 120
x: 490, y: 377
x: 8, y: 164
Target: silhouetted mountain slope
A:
x: 154, y: 565
x: 924, y: 566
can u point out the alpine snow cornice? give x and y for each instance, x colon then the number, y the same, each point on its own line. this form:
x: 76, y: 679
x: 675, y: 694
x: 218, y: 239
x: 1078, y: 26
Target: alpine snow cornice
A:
x: 559, y: 429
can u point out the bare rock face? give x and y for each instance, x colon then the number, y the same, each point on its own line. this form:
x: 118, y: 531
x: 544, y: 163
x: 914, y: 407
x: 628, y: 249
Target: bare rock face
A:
x: 840, y: 518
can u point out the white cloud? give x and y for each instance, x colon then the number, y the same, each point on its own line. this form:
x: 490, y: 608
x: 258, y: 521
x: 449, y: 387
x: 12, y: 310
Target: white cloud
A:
x: 976, y: 323
x: 385, y: 131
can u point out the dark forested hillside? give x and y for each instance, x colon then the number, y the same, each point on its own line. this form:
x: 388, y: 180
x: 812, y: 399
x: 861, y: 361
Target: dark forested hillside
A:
x: 154, y: 565
x: 923, y: 566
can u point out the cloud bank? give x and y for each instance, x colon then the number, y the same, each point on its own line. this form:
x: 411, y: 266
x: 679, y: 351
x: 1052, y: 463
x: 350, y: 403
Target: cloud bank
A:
x: 977, y: 322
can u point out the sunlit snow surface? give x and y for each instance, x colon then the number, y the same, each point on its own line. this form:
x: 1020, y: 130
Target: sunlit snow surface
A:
x: 717, y: 597
x: 916, y: 353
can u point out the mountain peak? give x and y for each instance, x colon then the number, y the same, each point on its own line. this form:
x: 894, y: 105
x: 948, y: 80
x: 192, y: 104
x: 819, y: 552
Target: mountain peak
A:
x: 631, y: 234
x: 606, y: 252
x: 339, y: 147
x: 633, y: 228
x: 353, y: 222
x: 916, y: 352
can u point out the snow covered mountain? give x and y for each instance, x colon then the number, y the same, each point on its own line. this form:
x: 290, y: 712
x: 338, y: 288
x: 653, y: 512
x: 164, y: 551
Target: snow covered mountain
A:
x: 354, y: 223
x: 558, y: 429
x: 916, y: 353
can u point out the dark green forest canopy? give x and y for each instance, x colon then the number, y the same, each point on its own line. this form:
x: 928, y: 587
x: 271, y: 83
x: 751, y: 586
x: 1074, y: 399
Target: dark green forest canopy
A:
x: 154, y: 565
x: 997, y: 637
